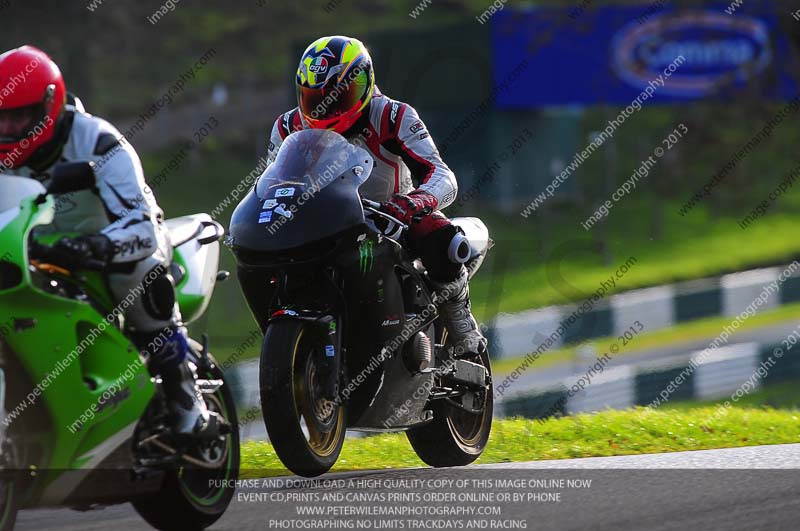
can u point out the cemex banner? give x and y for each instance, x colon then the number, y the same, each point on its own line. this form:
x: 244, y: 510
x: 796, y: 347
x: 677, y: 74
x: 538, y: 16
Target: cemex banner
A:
x: 586, y: 55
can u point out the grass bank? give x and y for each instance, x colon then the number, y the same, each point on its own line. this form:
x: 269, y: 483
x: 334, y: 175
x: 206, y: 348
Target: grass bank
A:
x: 609, y: 433
x: 566, y: 265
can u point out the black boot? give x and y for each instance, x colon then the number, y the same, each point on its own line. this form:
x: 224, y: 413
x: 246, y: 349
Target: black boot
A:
x: 452, y: 299
x: 190, y: 414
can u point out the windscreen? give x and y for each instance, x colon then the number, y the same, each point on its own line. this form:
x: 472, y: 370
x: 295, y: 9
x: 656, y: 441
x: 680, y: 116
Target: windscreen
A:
x: 312, y: 159
x: 14, y: 189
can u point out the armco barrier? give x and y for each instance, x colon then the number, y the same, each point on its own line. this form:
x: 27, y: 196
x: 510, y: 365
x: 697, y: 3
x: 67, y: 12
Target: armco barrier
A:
x: 596, y: 323
x: 786, y: 368
x: 695, y: 300
x: 651, y: 383
x: 613, y: 389
x: 653, y: 307
x: 740, y: 289
x: 790, y: 291
x: 717, y: 375
x: 538, y: 405
x: 656, y: 308
x: 724, y: 370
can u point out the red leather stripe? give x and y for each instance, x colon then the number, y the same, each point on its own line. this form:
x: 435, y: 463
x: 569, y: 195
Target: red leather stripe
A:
x: 399, y: 122
x: 281, y: 130
x: 297, y: 123
x: 385, y: 134
x: 429, y: 164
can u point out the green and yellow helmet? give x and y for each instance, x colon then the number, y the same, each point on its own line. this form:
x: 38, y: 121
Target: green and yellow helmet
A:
x: 335, y: 82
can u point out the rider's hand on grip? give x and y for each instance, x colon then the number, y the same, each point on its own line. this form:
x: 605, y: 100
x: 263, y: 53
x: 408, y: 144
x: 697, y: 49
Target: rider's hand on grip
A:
x: 90, y: 252
x: 412, y: 207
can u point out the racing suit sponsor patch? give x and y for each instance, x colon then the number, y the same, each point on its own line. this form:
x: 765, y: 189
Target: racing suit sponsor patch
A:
x: 133, y: 245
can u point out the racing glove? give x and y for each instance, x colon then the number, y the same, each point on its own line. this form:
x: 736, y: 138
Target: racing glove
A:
x: 92, y: 251
x: 412, y: 207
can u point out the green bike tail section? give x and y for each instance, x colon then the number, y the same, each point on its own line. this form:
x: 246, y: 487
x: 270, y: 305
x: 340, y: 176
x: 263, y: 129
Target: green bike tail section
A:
x: 86, y: 377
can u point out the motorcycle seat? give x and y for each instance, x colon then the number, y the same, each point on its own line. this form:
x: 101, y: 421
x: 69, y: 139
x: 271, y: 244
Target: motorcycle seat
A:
x: 195, y: 226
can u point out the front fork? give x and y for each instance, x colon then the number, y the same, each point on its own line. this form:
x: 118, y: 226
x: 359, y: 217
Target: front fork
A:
x: 332, y: 329
x: 327, y: 329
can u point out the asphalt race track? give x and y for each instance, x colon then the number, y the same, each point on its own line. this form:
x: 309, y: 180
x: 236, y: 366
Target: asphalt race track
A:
x: 745, y: 488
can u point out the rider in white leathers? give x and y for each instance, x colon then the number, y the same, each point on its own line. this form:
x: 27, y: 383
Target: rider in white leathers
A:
x: 119, y: 222
x: 336, y: 90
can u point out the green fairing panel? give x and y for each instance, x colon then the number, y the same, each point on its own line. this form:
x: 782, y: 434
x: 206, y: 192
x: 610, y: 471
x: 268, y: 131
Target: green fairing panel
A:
x: 65, y: 344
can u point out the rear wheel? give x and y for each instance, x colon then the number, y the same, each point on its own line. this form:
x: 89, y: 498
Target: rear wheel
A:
x: 197, y: 493
x: 9, y: 458
x: 306, y: 429
x: 8, y: 502
x: 458, y: 434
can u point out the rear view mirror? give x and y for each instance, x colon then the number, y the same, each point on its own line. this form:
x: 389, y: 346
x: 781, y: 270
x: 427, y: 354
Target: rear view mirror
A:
x: 71, y: 177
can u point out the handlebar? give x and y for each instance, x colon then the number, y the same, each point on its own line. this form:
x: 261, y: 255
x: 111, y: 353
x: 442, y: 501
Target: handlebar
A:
x: 42, y: 253
x: 374, y: 208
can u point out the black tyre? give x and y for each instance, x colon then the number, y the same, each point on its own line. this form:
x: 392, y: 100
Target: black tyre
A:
x: 9, y: 458
x: 454, y: 437
x: 194, y: 497
x: 9, y: 504
x: 306, y: 430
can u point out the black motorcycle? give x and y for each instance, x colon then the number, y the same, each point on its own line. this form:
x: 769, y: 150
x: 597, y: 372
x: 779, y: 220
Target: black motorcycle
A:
x: 352, y: 338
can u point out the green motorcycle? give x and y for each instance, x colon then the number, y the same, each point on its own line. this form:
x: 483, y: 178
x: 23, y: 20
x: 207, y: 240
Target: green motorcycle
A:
x: 83, y: 423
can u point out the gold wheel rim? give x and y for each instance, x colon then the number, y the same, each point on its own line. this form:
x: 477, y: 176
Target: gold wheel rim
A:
x: 322, y: 444
x: 479, y: 423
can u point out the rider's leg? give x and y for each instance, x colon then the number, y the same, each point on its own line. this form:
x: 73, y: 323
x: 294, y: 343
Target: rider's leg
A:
x: 431, y: 239
x: 147, y: 297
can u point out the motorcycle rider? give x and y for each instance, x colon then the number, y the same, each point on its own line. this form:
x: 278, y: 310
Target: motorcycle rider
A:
x: 336, y: 90
x: 119, y: 222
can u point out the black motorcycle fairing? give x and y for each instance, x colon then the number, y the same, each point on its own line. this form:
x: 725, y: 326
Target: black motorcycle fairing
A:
x: 372, y: 289
x: 302, y: 235
x: 312, y: 166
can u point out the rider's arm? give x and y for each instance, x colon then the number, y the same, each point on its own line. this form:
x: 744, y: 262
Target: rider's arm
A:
x: 285, y: 125
x: 275, y: 141
x: 420, y: 154
x: 129, y: 202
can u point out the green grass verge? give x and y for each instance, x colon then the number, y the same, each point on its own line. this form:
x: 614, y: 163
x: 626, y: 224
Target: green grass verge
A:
x: 608, y: 433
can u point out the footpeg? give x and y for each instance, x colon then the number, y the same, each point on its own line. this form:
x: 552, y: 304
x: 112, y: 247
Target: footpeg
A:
x: 208, y: 387
x: 467, y: 372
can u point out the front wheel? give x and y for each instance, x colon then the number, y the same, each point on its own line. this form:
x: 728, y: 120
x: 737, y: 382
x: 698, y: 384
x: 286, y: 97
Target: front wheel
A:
x: 306, y: 429
x: 198, y: 491
x: 455, y: 436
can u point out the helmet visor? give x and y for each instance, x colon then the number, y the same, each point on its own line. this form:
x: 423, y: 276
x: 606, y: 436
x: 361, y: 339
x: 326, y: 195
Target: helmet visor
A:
x: 328, y: 103
x: 17, y: 123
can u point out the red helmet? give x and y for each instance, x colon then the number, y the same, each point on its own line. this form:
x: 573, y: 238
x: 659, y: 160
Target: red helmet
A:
x: 32, y: 99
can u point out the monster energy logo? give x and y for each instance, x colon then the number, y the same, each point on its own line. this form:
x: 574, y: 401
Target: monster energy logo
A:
x: 366, y: 256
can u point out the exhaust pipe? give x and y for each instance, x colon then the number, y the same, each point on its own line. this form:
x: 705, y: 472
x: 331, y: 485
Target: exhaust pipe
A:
x: 459, y: 251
